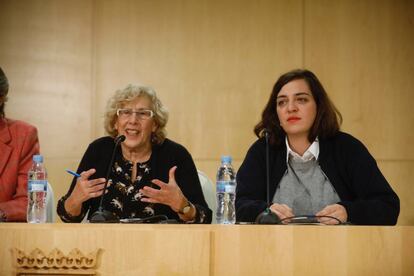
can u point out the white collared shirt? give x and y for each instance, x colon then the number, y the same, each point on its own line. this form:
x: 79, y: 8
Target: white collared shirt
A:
x: 310, y: 153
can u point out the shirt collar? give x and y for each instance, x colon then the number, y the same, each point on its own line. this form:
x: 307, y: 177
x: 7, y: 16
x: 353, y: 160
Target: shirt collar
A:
x: 310, y: 153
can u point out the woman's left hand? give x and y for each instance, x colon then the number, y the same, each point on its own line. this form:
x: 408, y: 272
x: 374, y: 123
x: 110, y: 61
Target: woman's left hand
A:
x: 335, y: 210
x: 169, y: 194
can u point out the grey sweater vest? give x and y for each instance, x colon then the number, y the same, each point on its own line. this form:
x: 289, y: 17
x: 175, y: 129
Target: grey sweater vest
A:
x: 309, y: 192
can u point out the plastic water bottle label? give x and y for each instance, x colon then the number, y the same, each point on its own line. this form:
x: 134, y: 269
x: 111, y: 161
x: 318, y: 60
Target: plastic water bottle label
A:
x: 225, y: 187
x: 231, y: 189
x: 37, y: 185
x: 221, y: 186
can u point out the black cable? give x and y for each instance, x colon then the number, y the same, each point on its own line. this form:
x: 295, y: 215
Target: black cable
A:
x: 267, y: 168
x: 309, y: 219
x: 297, y: 177
x: 117, y: 141
x: 152, y: 219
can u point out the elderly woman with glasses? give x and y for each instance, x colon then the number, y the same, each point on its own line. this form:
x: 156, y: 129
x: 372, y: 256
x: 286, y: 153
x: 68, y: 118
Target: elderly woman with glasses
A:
x: 150, y: 175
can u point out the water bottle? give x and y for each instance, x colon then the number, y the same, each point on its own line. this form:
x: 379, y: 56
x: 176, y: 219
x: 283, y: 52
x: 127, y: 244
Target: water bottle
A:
x: 37, y: 189
x: 226, y: 192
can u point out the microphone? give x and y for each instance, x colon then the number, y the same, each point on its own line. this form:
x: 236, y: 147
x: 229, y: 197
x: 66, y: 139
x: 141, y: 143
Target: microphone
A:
x: 267, y: 216
x: 102, y: 215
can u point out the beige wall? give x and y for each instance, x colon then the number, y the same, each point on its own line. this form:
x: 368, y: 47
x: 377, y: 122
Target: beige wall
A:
x: 213, y: 64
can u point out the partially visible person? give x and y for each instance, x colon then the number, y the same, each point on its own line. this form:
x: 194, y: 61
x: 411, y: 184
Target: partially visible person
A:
x: 151, y: 175
x: 18, y: 144
x: 315, y: 169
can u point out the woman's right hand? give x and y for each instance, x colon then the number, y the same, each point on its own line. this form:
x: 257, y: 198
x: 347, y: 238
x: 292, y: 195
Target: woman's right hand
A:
x: 84, y: 190
x: 281, y: 210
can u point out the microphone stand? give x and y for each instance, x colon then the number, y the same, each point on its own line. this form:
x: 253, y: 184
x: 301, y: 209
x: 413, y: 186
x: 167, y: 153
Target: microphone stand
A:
x: 267, y: 216
x: 102, y: 215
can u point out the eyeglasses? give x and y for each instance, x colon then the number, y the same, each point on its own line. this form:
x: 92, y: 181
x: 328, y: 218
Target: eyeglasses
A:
x: 142, y: 114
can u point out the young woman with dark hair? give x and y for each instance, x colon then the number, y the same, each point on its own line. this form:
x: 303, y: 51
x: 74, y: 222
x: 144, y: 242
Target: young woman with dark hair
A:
x: 315, y: 169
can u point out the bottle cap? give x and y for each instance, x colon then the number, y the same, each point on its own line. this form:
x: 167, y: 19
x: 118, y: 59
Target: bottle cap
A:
x: 38, y: 158
x: 226, y: 159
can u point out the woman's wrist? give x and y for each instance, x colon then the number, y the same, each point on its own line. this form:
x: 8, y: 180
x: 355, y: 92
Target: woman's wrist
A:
x: 179, y: 204
x: 3, y: 216
x: 188, y: 211
x: 66, y: 211
x: 72, y: 207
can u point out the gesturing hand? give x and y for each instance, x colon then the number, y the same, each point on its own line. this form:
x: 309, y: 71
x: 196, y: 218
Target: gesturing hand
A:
x: 169, y: 193
x: 86, y: 189
x: 335, y: 210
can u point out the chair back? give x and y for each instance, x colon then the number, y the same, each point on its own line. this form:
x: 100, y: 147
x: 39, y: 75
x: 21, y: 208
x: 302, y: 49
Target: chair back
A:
x: 209, y: 192
x: 50, y: 204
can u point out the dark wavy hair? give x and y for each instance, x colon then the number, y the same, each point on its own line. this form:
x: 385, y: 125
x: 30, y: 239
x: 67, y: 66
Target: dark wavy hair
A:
x: 4, y: 89
x: 328, y: 118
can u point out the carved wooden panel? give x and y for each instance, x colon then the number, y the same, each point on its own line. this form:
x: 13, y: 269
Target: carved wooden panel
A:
x: 39, y: 263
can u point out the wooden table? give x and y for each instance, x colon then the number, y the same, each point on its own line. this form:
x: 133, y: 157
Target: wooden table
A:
x: 137, y: 249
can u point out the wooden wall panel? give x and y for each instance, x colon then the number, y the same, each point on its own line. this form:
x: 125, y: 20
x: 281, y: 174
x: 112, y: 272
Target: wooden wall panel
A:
x: 213, y: 63
x: 399, y: 175
x: 362, y: 52
x: 45, y: 51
